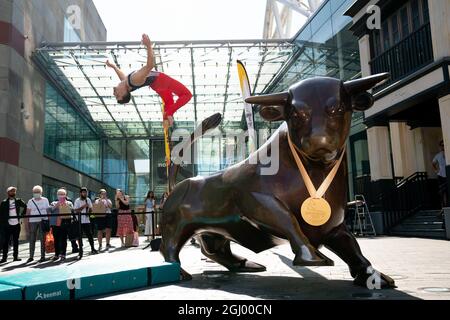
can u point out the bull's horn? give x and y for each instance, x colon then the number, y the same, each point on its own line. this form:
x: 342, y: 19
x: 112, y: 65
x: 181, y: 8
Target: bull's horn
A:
x: 276, y: 99
x: 364, y: 84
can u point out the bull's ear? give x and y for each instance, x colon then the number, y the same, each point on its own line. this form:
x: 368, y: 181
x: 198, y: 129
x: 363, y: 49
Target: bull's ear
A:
x: 354, y: 87
x: 362, y: 101
x: 272, y: 105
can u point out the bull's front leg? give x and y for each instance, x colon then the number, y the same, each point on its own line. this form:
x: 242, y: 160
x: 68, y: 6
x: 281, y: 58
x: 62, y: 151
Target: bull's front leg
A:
x: 344, y: 244
x: 270, y: 213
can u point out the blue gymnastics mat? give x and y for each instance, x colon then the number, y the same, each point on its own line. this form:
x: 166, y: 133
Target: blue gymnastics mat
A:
x: 84, y: 281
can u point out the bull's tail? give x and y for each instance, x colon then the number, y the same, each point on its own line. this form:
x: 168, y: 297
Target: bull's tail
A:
x: 208, y: 124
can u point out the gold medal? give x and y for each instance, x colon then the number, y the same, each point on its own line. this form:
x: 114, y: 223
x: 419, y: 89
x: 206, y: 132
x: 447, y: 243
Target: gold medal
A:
x: 316, y: 211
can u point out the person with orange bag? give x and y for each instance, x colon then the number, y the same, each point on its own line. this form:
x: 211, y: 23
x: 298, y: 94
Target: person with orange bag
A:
x: 60, y: 224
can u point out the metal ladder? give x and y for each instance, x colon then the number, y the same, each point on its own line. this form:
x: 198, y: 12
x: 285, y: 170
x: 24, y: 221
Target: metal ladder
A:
x: 362, y: 224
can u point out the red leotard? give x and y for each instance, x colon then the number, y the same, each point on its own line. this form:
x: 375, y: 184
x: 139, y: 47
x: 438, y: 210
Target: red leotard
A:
x: 167, y: 87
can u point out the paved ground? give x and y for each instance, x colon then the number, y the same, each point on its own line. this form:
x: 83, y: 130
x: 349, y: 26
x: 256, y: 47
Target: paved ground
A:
x: 421, y: 268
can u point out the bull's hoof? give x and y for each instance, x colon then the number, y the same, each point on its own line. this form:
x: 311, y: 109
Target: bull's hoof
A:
x: 298, y: 261
x: 309, y: 257
x: 372, y: 279
x: 247, y: 266
x: 185, y: 276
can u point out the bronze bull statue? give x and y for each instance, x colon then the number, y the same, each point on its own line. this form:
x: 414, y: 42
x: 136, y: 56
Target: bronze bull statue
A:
x: 260, y: 211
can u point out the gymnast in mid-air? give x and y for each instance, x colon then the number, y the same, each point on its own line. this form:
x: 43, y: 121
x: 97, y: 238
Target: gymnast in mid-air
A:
x: 165, y: 86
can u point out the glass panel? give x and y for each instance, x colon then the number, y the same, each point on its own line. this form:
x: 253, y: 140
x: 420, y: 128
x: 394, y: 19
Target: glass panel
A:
x: 70, y: 35
x: 115, y: 164
x: 138, y: 165
x: 67, y: 137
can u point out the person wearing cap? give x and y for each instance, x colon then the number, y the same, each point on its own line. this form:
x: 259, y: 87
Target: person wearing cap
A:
x: 104, y: 221
x: 11, y: 210
x: 83, y: 205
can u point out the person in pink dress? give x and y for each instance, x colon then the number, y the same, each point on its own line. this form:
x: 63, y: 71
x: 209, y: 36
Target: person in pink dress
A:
x: 124, y: 220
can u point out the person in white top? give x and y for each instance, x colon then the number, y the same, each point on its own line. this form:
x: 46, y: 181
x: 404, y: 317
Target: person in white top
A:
x: 84, y: 205
x: 11, y: 210
x: 104, y: 221
x: 150, y: 206
x: 439, y: 165
x: 36, y: 210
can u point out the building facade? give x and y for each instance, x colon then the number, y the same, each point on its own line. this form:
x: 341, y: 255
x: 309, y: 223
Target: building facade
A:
x: 411, y: 40
x: 25, y: 92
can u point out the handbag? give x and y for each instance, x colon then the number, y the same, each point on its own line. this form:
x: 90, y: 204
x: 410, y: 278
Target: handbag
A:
x: 45, y: 224
x: 49, y: 242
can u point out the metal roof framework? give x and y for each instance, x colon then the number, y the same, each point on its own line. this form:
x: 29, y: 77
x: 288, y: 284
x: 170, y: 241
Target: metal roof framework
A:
x: 207, y: 68
x: 278, y: 21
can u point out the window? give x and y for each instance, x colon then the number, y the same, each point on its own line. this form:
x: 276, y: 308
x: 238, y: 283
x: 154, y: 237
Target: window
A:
x: 386, y: 35
x: 376, y: 43
x: 395, y: 31
x: 415, y: 14
x: 425, y: 11
x: 409, y: 18
x: 404, y: 21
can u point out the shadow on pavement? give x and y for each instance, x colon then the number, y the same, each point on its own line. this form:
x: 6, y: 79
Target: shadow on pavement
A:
x: 311, y: 285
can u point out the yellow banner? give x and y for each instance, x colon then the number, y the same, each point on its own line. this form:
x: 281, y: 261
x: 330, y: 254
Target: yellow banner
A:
x: 246, y: 92
x: 167, y: 144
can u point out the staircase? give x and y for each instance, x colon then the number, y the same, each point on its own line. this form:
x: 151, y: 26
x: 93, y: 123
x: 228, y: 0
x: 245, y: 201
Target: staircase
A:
x: 423, y: 224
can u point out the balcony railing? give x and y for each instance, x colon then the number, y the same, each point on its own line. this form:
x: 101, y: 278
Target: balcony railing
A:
x: 406, y: 57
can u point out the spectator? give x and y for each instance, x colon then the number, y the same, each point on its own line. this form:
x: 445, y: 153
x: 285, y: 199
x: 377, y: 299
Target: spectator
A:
x: 439, y: 167
x: 71, y: 235
x: 60, y: 224
x: 104, y: 222
x: 83, y: 205
x: 150, y: 204
x: 36, y: 207
x: 10, y: 214
x: 161, y: 209
x: 124, y: 220
x: 163, y: 200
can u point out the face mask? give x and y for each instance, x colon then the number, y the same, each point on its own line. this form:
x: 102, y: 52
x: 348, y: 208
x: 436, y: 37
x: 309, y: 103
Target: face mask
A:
x: 61, y: 198
x: 36, y: 195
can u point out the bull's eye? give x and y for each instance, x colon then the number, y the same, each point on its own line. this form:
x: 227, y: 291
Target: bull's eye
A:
x: 336, y: 111
x: 301, y: 116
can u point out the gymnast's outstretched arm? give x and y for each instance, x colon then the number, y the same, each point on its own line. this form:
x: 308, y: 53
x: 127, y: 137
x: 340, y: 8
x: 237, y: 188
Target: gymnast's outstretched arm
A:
x: 139, y: 77
x: 119, y: 72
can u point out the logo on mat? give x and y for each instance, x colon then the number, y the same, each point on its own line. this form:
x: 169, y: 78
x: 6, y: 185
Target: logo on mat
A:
x: 50, y: 295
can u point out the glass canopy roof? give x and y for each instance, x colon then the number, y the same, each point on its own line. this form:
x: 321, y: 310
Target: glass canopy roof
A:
x: 207, y: 68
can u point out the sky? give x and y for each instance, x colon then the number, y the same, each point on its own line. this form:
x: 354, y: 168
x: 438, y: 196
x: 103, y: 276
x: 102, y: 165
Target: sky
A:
x: 166, y: 20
